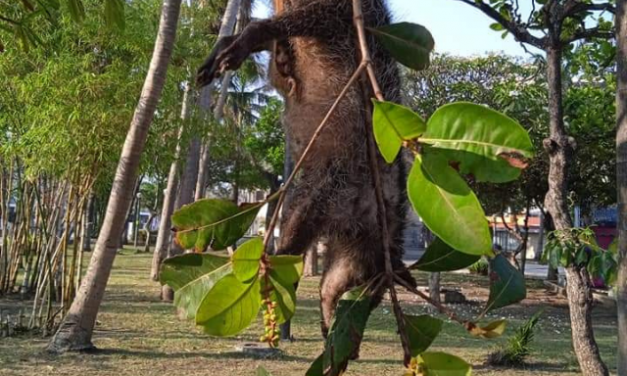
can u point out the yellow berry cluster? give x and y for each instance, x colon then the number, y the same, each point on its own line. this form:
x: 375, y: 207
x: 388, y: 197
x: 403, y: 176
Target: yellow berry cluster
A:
x: 272, y: 330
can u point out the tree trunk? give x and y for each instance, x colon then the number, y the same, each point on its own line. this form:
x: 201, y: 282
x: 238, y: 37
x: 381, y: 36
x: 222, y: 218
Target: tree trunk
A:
x: 75, y: 332
x: 273, y: 181
x: 147, y: 231
x: 169, y: 199
x: 621, y: 167
x: 87, y: 224
x: 288, y: 167
x: 136, y: 221
x: 560, y: 150
x: 311, y: 261
x: 539, y: 248
x: 130, y: 213
x: 226, y: 29
x: 201, y: 182
x: 184, y: 197
x: 525, y: 243
x: 434, y: 287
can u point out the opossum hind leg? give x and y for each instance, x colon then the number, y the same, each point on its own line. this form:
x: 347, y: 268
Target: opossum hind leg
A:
x: 344, y: 269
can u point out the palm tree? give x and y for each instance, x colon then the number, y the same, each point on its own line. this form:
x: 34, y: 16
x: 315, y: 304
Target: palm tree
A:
x: 236, y: 16
x: 75, y: 332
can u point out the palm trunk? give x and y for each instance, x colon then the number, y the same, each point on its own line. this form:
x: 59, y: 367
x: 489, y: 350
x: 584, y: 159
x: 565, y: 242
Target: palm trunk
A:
x: 184, y: 197
x: 75, y: 332
x: 621, y: 167
x: 169, y: 199
x: 226, y: 29
x: 560, y: 150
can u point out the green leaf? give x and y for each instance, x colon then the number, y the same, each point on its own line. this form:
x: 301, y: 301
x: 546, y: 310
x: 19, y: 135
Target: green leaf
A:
x: 421, y: 332
x: 486, y: 143
x: 507, y: 284
x: 410, y: 44
x: 229, y: 307
x: 285, y: 297
x: 581, y: 257
x: 567, y: 258
x: 496, y: 26
x: 440, y: 257
x: 192, y: 276
x: 211, y: 223
x: 77, y: 10
x: 442, y: 364
x: 347, y: 329
x: 246, y: 260
x: 553, y: 256
x: 595, y: 265
x: 492, y: 330
x: 287, y: 268
x: 262, y: 372
x: 285, y: 272
x: 609, y: 268
x: 613, y: 247
x: 394, y: 123
x: 448, y: 206
x: 114, y: 14
x: 317, y: 367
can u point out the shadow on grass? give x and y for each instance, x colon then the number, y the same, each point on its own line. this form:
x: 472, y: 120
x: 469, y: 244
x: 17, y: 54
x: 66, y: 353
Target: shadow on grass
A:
x: 181, y: 355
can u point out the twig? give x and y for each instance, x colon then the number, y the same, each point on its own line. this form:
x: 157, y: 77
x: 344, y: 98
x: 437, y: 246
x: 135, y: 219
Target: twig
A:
x: 387, y: 240
x: 439, y: 306
x: 299, y: 164
x: 358, y: 18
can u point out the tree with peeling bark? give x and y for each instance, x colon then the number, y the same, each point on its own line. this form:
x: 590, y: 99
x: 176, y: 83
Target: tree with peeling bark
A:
x: 76, y: 330
x: 621, y: 170
x: 552, y: 26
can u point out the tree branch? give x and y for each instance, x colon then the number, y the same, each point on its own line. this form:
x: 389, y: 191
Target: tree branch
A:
x: 516, y: 29
x: 587, y: 34
x: 574, y: 7
x: 358, y: 20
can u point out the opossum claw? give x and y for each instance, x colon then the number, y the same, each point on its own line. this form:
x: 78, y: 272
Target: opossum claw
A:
x: 210, y: 69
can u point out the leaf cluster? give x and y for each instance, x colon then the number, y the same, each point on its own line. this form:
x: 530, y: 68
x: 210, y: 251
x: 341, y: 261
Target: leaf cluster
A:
x: 577, y: 247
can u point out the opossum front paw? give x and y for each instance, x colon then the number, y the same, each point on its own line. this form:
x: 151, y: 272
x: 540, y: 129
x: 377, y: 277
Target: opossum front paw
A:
x: 232, y: 58
x: 210, y: 69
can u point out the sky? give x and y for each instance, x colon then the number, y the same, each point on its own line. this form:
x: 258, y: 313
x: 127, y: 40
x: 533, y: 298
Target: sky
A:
x: 457, y: 28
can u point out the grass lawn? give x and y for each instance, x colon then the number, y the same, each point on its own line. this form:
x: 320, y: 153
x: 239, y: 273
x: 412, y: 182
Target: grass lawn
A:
x: 139, y: 335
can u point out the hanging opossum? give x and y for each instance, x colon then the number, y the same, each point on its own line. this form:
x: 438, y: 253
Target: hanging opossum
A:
x: 314, y: 53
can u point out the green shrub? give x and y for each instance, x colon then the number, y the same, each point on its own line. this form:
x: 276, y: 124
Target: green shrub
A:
x: 480, y: 267
x: 518, y: 346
